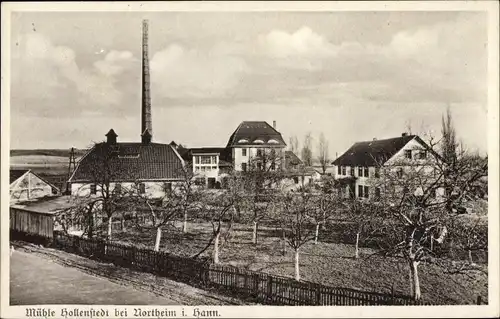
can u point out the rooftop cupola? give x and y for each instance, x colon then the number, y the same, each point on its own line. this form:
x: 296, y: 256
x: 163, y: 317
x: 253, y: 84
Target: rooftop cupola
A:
x: 111, y: 137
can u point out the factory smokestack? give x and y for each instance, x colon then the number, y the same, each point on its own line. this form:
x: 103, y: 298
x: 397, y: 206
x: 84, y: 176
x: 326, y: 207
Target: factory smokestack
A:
x: 146, y: 118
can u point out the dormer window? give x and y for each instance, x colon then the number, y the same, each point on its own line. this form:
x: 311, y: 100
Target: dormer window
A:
x: 272, y: 141
x: 258, y: 141
x: 242, y: 141
x: 408, y: 154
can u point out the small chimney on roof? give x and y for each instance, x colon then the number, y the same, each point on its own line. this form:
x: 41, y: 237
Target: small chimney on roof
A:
x: 111, y: 137
x: 404, y: 134
x: 374, y: 138
x: 274, y: 124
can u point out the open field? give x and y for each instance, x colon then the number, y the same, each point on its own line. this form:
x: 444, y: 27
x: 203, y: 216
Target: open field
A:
x: 327, y: 263
x: 47, y: 152
x: 63, y: 278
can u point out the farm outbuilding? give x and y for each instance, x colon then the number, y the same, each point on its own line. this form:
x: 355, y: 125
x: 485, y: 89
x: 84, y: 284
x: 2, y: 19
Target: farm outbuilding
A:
x: 37, y: 217
x: 26, y: 185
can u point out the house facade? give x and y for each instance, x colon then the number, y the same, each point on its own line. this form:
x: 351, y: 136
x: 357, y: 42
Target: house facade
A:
x: 360, y: 169
x: 26, y: 185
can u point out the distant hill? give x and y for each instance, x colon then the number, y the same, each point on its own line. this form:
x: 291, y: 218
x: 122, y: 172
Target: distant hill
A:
x: 47, y: 152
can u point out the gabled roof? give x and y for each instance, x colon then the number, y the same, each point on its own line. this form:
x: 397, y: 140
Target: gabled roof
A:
x: 130, y: 162
x: 376, y: 152
x: 256, y: 133
x: 16, y: 173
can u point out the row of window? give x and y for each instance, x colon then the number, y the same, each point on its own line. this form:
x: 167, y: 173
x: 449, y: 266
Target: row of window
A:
x: 416, y: 154
x: 244, y: 152
x: 362, y: 171
x: 141, y: 188
x: 244, y: 166
x: 205, y: 159
x: 204, y: 168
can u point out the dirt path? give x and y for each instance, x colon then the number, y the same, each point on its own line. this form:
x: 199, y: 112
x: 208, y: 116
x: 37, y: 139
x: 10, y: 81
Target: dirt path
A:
x: 43, y: 275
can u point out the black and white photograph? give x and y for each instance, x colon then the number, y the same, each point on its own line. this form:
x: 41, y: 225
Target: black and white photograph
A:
x: 182, y: 159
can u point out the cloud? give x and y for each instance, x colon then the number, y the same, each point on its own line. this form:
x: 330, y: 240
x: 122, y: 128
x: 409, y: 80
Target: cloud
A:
x: 47, y: 79
x: 179, y: 72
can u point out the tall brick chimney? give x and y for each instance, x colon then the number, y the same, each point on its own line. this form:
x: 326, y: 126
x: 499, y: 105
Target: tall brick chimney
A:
x: 146, y: 118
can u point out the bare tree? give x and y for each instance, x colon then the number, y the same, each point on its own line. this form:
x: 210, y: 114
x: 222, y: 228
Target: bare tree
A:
x: 168, y: 205
x: 306, y: 152
x: 294, y: 219
x: 326, y: 204
x: 294, y: 144
x: 218, y: 207
x: 416, y: 210
x: 323, y: 155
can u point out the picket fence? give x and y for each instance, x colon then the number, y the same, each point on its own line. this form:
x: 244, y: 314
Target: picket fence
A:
x: 240, y: 283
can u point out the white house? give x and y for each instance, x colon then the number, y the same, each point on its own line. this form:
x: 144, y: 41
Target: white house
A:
x: 363, y: 163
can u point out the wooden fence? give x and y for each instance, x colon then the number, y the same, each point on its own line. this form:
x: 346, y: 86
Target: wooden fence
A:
x: 244, y: 284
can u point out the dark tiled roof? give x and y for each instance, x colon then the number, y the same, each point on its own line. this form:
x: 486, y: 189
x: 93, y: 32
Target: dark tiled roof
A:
x: 371, y: 153
x: 291, y: 159
x: 255, y: 130
x: 16, y: 173
x: 130, y: 162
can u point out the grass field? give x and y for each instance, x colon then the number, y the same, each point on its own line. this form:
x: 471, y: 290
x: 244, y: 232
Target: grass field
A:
x: 327, y: 263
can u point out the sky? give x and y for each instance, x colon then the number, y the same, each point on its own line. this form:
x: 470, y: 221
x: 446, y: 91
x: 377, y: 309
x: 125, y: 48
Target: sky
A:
x: 352, y: 76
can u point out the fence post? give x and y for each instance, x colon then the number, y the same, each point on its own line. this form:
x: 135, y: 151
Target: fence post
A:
x: 392, y: 294
x: 269, y: 292
x: 318, y: 295
x: 479, y: 300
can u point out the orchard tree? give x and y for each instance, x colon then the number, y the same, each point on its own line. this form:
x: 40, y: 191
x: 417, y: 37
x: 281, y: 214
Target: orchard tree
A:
x: 294, y: 211
x: 306, y: 152
x: 415, y: 205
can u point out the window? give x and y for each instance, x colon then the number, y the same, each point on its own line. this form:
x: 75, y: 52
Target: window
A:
x: 244, y: 167
x: 259, y: 166
x: 205, y: 159
x: 422, y: 155
x: 360, y: 171
x: 243, y: 152
x: 93, y: 189
x: 259, y: 152
x: 339, y: 170
x: 197, y: 160
x: 399, y: 173
x: 344, y: 170
x: 273, y: 166
x: 377, y: 192
x: 296, y: 180
x: 142, y: 188
x: 367, y: 172
x: 408, y: 154
x: 360, y: 191
x: 366, y: 192
x: 167, y: 187
x: 118, y: 188
x: 352, y: 171
x: 377, y: 172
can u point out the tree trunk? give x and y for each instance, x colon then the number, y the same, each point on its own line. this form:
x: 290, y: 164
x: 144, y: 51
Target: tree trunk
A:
x: 283, y: 243
x: 416, y: 283
x: 432, y: 243
x: 254, y: 234
x: 184, y: 225
x: 123, y: 224
x: 110, y: 224
x: 410, y: 279
x: 316, y: 234
x: 356, y: 253
x: 216, y: 248
x: 91, y: 225
x: 297, y: 269
x: 470, y: 257
x: 158, y: 238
